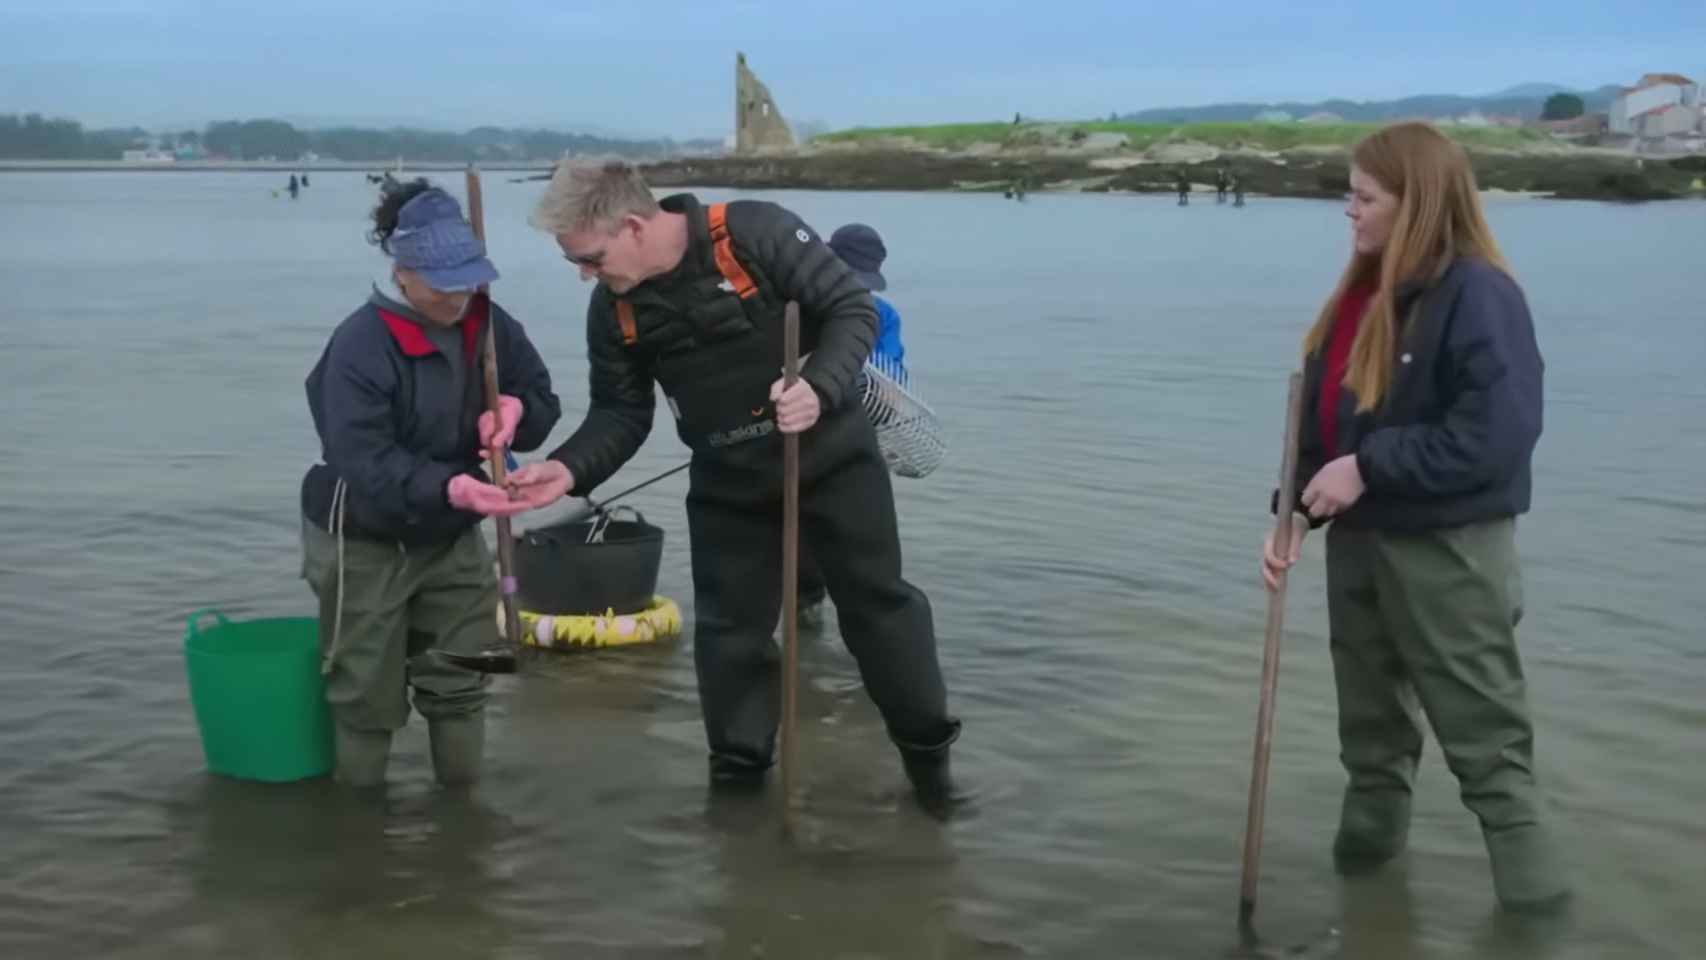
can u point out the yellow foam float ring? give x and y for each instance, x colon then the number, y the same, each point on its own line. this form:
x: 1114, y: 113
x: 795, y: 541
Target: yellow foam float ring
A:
x: 661, y: 620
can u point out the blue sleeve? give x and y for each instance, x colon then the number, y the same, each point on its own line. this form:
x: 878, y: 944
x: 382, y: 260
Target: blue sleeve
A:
x: 888, y: 332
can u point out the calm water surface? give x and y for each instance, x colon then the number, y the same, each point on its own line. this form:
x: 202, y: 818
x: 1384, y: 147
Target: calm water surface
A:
x: 1112, y: 371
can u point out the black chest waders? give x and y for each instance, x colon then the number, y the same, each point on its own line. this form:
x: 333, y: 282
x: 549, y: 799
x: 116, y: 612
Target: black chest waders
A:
x: 719, y: 391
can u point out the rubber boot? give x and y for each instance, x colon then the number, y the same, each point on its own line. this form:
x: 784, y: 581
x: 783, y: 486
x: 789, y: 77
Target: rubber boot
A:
x: 932, y: 779
x: 361, y: 756
x: 1373, y: 828
x: 1526, y: 873
x: 457, y: 746
x: 732, y: 776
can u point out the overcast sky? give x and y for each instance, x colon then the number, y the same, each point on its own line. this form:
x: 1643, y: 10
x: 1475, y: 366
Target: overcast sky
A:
x: 666, y: 67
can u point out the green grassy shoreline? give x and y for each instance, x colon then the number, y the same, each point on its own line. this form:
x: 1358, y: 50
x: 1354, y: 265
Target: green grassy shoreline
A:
x: 1142, y: 136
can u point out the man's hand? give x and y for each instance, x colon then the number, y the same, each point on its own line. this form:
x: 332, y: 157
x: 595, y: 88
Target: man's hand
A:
x: 466, y: 492
x: 540, y: 484
x: 797, y: 407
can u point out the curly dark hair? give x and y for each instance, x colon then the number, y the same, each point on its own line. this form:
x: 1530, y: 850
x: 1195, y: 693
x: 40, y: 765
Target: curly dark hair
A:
x: 393, y: 194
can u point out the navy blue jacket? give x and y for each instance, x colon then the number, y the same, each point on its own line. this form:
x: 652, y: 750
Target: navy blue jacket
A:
x: 1452, y: 441
x: 382, y: 403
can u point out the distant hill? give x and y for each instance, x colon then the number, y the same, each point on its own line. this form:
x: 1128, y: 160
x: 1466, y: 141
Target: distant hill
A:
x: 1522, y: 101
x: 1529, y: 91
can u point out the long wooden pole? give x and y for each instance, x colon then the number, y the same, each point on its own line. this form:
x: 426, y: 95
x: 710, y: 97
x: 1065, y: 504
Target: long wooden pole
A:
x: 507, y: 656
x: 790, y: 568
x: 506, y: 541
x: 1270, y: 656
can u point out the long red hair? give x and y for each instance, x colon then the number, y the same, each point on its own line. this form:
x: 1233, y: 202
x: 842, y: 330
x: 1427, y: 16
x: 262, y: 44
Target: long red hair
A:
x: 1439, y: 219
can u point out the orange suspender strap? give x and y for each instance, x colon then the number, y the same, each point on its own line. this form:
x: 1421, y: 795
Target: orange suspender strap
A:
x: 717, y: 215
x: 625, y: 319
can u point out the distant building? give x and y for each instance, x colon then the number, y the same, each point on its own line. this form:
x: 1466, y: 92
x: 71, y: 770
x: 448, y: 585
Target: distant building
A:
x: 1670, y: 120
x: 147, y: 156
x: 1322, y: 117
x: 1273, y: 116
x: 1645, y: 110
x: 1474, y: 119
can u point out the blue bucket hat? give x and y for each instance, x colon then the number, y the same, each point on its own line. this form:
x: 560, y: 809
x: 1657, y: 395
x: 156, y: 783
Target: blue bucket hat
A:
x: 433, y: 239
x: 861, y: 248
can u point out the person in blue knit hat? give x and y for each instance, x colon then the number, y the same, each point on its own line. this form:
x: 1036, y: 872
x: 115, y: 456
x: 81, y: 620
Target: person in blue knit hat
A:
x: 861, y: 247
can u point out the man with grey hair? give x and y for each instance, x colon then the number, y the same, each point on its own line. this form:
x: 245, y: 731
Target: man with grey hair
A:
x: 690, y: 297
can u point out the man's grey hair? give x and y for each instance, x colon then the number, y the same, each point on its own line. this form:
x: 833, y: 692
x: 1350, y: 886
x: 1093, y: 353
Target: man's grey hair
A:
x: 581, y: 197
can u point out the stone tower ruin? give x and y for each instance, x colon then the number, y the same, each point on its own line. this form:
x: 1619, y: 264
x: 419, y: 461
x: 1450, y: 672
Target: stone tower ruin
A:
x: 759, y: 127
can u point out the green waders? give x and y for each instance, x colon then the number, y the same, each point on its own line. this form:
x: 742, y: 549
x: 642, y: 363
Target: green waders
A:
x: 397, y: 604
x: 1431, y: 617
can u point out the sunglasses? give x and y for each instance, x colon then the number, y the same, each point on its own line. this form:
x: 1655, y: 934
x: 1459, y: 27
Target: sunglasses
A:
x: 593, y: 261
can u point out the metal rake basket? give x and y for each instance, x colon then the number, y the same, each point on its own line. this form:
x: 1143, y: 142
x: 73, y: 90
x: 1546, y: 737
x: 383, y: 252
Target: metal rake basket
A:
x: 908, y: 430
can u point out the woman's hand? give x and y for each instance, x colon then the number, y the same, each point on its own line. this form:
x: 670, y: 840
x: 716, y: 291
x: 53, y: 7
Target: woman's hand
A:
x: 1274, y: 566
x: 1334, y: 488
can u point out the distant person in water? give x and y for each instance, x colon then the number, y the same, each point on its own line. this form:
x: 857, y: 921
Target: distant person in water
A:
x: 294, y: 186
x: 391, y: 513
x: 862, y: 249
x: 1184, y: 187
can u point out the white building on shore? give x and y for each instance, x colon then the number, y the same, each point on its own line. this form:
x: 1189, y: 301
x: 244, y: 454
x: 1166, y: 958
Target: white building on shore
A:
x: 1661, y: 105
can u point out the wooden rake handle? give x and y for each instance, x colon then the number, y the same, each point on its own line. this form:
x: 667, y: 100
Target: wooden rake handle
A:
x: 790, y: 568
x: 1270, y: 656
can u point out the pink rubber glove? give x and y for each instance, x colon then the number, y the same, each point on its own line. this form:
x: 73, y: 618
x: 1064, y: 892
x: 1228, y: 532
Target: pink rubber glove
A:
x: 510, y: 410
x: 475, y: 496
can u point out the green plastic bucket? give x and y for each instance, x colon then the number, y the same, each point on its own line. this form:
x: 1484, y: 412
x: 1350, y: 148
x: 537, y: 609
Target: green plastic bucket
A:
x: 259, y: 701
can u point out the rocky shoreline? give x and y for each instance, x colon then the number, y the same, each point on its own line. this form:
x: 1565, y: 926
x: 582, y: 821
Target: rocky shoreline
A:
x: 1314, y: 173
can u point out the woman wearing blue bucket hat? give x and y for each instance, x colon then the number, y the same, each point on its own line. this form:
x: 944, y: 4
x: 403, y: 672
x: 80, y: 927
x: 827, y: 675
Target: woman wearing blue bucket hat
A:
x: 391, y: 514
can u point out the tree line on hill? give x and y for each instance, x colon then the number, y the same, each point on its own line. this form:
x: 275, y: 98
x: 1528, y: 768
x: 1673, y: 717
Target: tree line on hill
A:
x: 35, y: 137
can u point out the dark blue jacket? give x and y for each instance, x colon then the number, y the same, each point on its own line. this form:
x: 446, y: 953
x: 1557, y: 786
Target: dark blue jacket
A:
x: 381, y: 398
x: 1452, y: 441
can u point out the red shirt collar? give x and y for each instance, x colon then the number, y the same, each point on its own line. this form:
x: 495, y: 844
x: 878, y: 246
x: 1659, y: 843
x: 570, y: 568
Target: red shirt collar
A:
x: 413, y: 341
